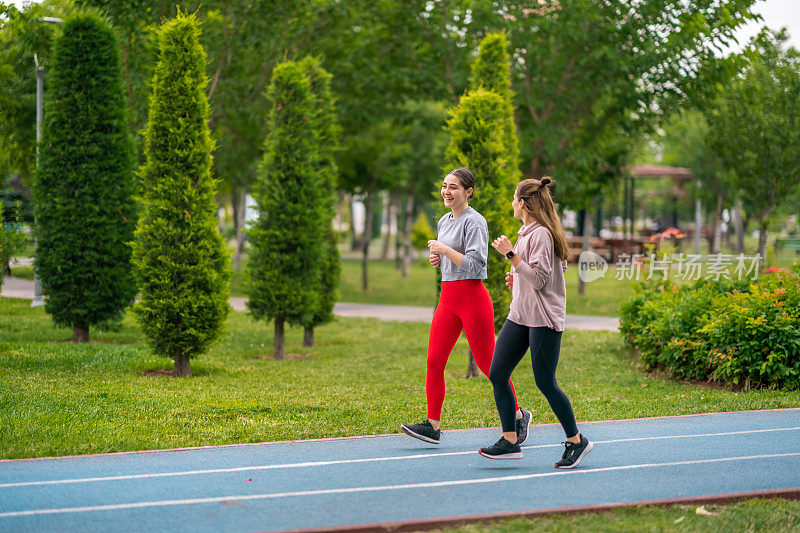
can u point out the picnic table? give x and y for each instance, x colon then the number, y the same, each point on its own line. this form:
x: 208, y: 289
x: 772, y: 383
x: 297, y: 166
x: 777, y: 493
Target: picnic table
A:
x: 610, y: 249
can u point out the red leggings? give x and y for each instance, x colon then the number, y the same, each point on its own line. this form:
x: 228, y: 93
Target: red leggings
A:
x: 464, y: 304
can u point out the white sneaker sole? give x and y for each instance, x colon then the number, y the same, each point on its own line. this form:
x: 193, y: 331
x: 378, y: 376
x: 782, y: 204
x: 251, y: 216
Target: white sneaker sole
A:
x: 580, y: 457
x: 514, y: 455
x: 417, y: 435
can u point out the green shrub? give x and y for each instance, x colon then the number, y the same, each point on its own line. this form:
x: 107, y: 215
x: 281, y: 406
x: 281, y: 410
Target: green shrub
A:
x: 83, y: 190
x: 753, y: 337
x: 12, y: 239
x: 740, y: 333
x: 181, y: 259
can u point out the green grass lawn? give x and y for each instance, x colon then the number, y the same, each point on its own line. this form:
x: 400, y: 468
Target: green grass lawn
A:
x: 23, y: 272
x: 57, y: 398
x: 751, y: 516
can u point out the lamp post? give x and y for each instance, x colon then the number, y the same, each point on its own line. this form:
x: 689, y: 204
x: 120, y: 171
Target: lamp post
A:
x: 37, y: 281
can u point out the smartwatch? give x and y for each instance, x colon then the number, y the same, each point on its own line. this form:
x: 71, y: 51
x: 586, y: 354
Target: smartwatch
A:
x: 510, y: 254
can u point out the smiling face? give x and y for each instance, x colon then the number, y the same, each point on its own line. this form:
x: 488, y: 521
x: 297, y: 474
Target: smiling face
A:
x: 453, y: 193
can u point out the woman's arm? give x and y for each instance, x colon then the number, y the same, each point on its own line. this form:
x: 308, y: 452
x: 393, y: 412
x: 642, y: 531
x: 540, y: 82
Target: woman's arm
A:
x: 539, y: 267
x: 442, y: 249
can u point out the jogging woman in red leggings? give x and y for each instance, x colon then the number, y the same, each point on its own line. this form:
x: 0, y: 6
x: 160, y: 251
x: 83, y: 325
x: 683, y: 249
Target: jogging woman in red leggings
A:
x: 460, y: 251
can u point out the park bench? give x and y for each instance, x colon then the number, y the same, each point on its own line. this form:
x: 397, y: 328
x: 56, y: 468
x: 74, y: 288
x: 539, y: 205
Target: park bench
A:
x: 787, y: 243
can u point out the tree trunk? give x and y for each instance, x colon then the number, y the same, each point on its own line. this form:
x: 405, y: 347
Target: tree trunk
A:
x: 407, y: 234
x: 182, y: 368
x: 472, y: 367
x: 390, y: 214
x: 80, y: 334
x: 354, y: 244
x: 762, y: 241
x: 717, y: 236
x: 368, y: 201
x: 587, y: 245
x: 739, y: 224
x: 239, y: 204
x: 278, y: 340
x: 308, y: 336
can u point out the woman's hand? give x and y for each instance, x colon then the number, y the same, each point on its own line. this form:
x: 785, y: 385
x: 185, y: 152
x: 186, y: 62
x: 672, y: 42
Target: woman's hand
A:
x: 437, y: 247
x: 509, y: 280
x: 502, y: 244
x: 435, y: 260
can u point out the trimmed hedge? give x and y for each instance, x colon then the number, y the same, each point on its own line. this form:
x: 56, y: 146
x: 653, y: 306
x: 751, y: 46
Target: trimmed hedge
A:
x: 739, y: 333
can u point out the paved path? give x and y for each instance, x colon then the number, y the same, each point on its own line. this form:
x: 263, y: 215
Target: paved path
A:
x: 393, y: 481
x: 20, y: 288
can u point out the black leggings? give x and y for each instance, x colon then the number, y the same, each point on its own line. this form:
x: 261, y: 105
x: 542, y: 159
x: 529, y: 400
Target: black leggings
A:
x: 509, y: 349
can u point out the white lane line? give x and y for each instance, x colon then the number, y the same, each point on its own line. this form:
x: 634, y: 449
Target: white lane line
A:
x: 353, y: 461
x: 318, y: 492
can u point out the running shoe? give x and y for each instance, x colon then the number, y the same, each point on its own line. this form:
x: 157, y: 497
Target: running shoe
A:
x: 422, y: 431
x: 575, y: 451
x: 502, y: 449
x: 523, y: 425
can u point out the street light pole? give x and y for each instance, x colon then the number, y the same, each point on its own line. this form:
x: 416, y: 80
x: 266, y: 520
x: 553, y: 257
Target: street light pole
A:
x: 37, y: 281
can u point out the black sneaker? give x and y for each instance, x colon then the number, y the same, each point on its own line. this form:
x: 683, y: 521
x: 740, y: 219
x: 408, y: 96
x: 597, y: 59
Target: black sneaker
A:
x: 574, y: 453
x: 523, y: 425
x: 502, y: 450
x: 422, y: 431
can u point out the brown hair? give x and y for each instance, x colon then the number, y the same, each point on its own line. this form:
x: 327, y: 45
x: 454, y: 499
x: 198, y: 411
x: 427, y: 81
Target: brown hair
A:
x: 538, y: 202
x: 466, y: 179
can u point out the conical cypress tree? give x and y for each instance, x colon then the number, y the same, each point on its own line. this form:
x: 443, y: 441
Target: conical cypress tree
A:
x: 326, y: 127
x: 180, y: 257
x: 483, y: 138
x: 478, y: 141
x: 286, y: 250
x: 83, y: 190
x: 492, y: 70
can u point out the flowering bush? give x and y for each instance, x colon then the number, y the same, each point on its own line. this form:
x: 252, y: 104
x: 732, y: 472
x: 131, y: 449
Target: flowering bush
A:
x: 740, y: 333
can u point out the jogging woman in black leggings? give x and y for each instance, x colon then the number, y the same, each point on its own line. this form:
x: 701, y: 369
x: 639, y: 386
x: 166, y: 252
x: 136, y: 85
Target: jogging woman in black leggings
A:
x: 535, y: 320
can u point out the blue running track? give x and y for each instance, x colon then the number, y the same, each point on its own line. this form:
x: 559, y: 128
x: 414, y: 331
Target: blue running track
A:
x: 392, y: 480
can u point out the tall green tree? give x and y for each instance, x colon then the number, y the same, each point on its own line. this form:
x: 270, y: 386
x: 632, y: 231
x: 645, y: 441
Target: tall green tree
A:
x: 25, y: 41
x: 180, y: 256
x: 687, y: 142
x: 478, y: 141
x: 590, y: 76
x: 490, y: 73
x: 492, y: 70
x: 324, y: 123
x: 756, y: 128
x: 244, y: 40
x: 83, y: 191
x: 286, y: 250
